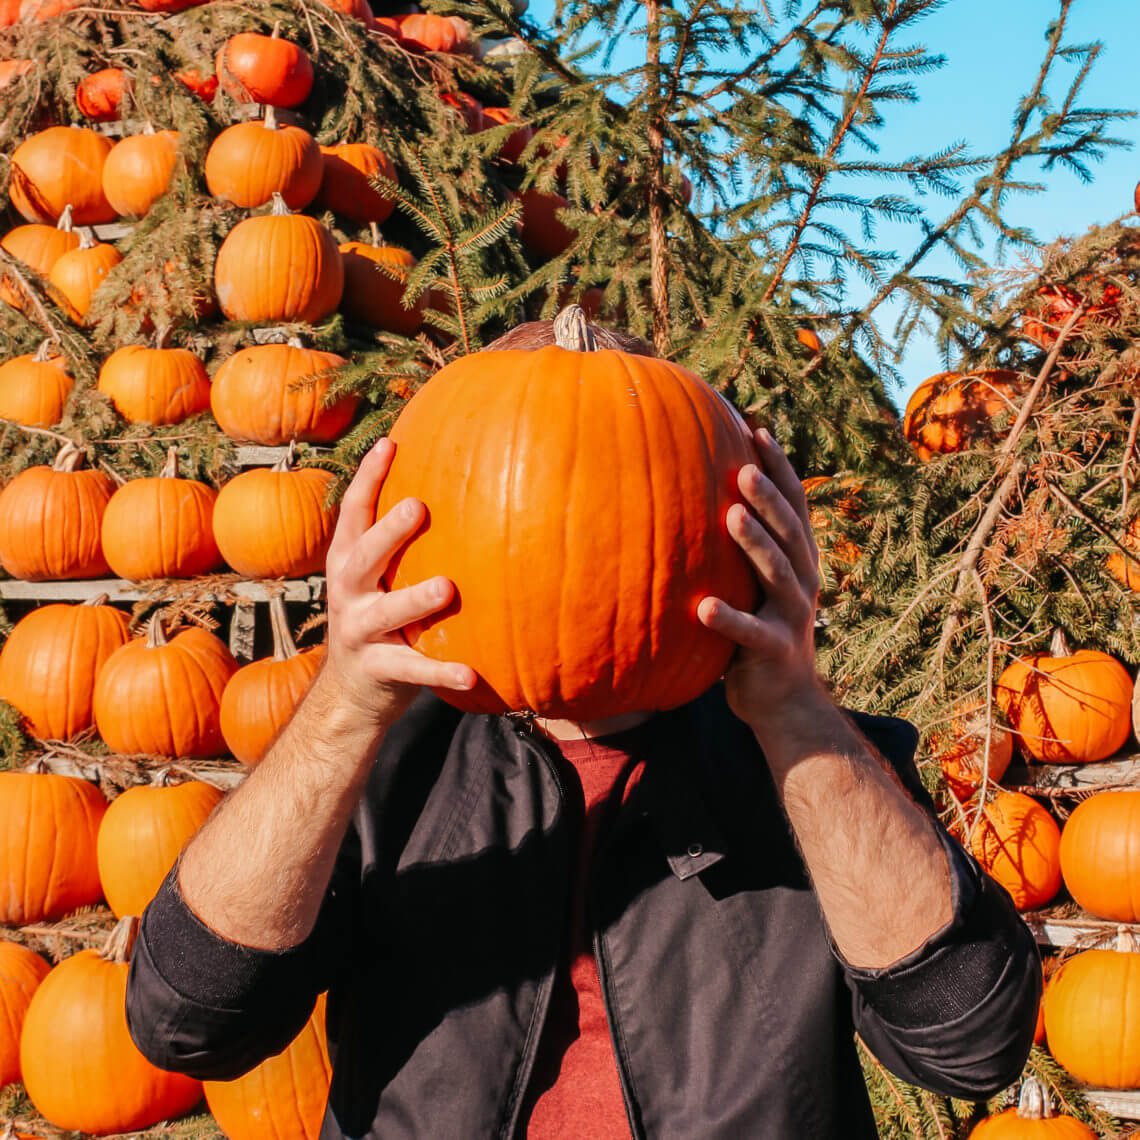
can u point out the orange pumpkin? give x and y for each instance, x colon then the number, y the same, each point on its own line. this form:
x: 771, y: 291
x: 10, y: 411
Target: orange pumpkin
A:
x: 836, y: 550
x: 169, y: 6
x: 253, y: 68
x: 59, y: 167
x: 516, y: 142
x: 960, y: 748
x: 425, y: 31
x: 76, y: 276
x: 142, y: 835
x: 138, y: 171
x: 357, y: 9
x: 346, y: 186
x: 81, y: 1069
x: 308, y: 276
x: 469, y: 108
x: 274, y: 522
x: 1031, y: 1119
x: 588, y: 611
x: 1124, y: 569
x: 263, y: 394
x: 38, y: 247
x: 1099, y: 857
x: 49, y: 663
x: 543, y: 232
x: 21, y: 971
x: 1067, y: 708
x: 263, y: 695
x: 809, y: 338
x: 155, y: 385
x: 375, y: 296
x: 162, y: 697
x: 50, y: 519
x: 284, y: 1096
x: 48, y: 826
x: 1017, y: 842
x: 250, y: 162
x: 1055, y: 305
x: 161, y: 528
x: 99, y: 96
x: 951, y: 412
x: 204, y: 85
x: 34, y: 388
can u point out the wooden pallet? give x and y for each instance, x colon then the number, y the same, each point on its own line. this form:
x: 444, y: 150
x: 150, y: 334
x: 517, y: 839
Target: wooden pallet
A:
x: 119, y: 590
x: 1124, y: 1104
x: 1121, y: 771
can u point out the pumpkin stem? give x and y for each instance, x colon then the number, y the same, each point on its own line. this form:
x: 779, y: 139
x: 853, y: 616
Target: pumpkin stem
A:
x: 270, y: 120
x: 163, y: 778
x: 70, y: 458
x: 276, y: 33
x: 87, y: 238
x: 170, y: 467
x: 284, y: 646
x: 1033, y: 1104
x: 121, y: 941
x: 285, y: 463
x: 155, y: 637
x: 40, y: 766
x: 295, y: 342
x: 64, y: 222
x: 98, y: 600
x: 1126, y: 941
x: 280, y: 210
x: 1059, y: 646
x: 44, y: 352
x: 572, y: 330
x: 161, y: 335
x: 375, y: 235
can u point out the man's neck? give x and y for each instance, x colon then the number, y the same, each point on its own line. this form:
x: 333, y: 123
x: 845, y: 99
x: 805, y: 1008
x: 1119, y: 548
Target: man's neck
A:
x: 573, y: 730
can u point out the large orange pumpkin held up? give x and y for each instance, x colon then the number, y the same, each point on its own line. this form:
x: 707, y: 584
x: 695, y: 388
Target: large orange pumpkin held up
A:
x: 578, y: 568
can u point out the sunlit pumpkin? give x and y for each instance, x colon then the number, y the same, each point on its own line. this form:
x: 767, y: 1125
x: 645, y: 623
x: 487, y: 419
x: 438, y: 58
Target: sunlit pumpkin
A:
x: 38, y: 247
x: 155, y: 385
x: 960, y: 747
x: 1055, y: 305
x: 34, y: 388
x: 99, y: 96
x: 253, y: 68
x: 1100, y: 855
x: 1032, y: 1118
x: 951, y: 411
x: 58, y: 167
x: 76, y: 276
x: 425, y: 31
x: 138, y: 171
x: 21, y: 971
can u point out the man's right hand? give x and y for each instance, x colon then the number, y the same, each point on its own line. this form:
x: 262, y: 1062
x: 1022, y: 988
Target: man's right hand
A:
x: 369, y: 665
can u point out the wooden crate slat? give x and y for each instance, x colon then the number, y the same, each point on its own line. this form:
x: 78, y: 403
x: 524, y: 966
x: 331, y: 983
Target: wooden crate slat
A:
x: 1121, y: 1103
x: 1120, y: 772
x: 119, y: 590
x: 1086, y: 931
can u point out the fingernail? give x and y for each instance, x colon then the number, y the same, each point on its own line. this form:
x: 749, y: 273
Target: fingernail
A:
x: 409, y: 509
x: 765, y: 435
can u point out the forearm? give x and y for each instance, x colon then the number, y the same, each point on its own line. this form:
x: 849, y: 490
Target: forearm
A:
x: 876, y: 863
x: 257, y: 873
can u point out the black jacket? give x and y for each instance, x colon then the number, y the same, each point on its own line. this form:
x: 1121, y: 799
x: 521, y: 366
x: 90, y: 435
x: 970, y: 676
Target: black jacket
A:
x: 732, y: 1014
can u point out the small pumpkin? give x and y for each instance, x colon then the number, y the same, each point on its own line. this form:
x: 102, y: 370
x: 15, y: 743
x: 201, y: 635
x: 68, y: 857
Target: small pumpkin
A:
x: 1031, y: 1119
x: 197, y: 82
x: 960, y: 747
x: 356, y: 9
x: 58, y: 167
x: 543, y: 232
x: 263, y: 695
x: 138, y: 171
x: 169, y: 7
x: 50, y: 660
x: 38, y: 247
x: 50, y: 518
x: 1100, y: 857
x: 21, y: 971
x: 143, y: 833
x: 1067, y: 708
x: 425, y: 31
x: 833, y: 502
x: 81, y: 1069
x: 253, y: 68
x: 1125, y: 569
x: 951, y: 411
x: 308, y: 277
x: 161, y: 697
x: 76, y: 276
x: 34, y: 388
x: 469, y: 108
x: 155, y: 385
x: 1054, y: 306
x: 346, y: 186
x: 99, y: 96
x: 161, y: 527
x: 375, y: 295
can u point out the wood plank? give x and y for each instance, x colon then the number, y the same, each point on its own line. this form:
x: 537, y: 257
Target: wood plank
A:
x: 1121, y: 771
x: 250, y: 455
x: 112, y: 231
x: 1086, y: 931
x: 1121, y: 1103
x: 118, y: 590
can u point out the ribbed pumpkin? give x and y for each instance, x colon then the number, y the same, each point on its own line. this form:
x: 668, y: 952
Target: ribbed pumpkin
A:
x: 143, y: 833
x: 1055, y: 305
x: 1018, y: 842
x: 425, y: 31
x: 76, y: 276
x: 960, y: 748
x: 1067, y: 708
x: 155, y: 385
x: 21, y: 971
x: 284, y: 1097
x: 99, y: 96
x: 260, y: 394
x: 81, y: 1069
x: 1124, y: 569
x: 279, y: 267
x: 250, y: 162
x: 59, y: 167
x: 1100, y: 855
x: 50, y: 518
x: 588, y: 610
x: 34, y: 388
x: 50, y: 660
x: 138, y: 171
x: 951, y: 412
x: 48, y: 827
x: 161, y: 527
x: 543, y: 232
x: 375, y: 296
x: 1032, y: 1119
x: 39, y: 247
x: 1092, y: 1016
x: 273, y: 522
x: 346, y: 188
x: 253, y: 68
x: 262, y: 696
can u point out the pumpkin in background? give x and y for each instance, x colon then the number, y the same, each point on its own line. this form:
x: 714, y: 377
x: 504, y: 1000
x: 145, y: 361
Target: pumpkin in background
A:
x: 1017, y: 842
x: 284, y: 1096
x: 76, y: 276
x: 374, y: 296
x: 1100, y: 855
x: 261, y: 394
x: 1092, y: 1016
x: 1067, y: 708
x: 357, y: 9
x: 143, y: 833
x: 50, y: 660
x: 250, y: 162
x: 425, y: 31
x: 34, y: 388
x: 809, y: 338
x: 951, y: 412
x: 516, y: 142
x: 469, y: 108
x: 204, y: 85
x: 1056, y: 304
x: 1124, y: 569
x: 48, y: 827
x: 346, y: 186
x: 253, y: 68
x: 50, y: 518
x: 81, y: 1069
x: 138, y: 171
x: 263, y: 695
x: 39, y: 247
x: 161, y: 697
x: 1032, y: 1119
x: 831, y: 498
x: 161, y: 527
x: 589, y: 610
x: 155, y: 385
x: 21, y: 971
x: 274, y: 522
x: 960, y: 747
x: 99, y: 96
x: 309, y: 276
x: 58, y: 167
x: 169, y: 6
x: 543, y: 232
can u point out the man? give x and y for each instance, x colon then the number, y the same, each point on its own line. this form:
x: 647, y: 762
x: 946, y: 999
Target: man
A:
x: 666, y: 925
